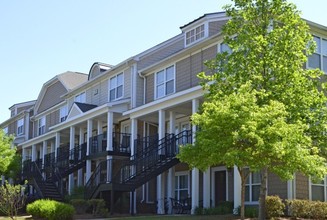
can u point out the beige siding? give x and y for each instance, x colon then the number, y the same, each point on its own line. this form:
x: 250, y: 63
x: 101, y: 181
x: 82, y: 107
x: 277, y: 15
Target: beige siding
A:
x: 276, y: 186
x: 215, y: 27
x: 302, y: 186
x: 70, y: 103
x: 139, y: 91
x: 160, y: 54
x: 188, y: 68
x: 149, y: 95
x: 127, y: 83
x: 93, y: 95
x: 52, y: 96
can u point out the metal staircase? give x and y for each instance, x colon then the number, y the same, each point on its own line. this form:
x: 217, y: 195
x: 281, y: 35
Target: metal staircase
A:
x: 128, y: 175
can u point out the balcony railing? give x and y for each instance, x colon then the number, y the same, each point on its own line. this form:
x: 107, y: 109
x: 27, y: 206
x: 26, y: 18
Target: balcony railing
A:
x: 98, y: 144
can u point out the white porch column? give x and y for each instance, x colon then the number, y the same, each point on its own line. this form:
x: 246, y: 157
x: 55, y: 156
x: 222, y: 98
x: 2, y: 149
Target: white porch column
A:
x: 99, y: 132
x: 160, y: 178
x: 88, y: 144
x: 171, y: 171
x: 133, y: 150
x: 237, y: 188
x: 110, y: 122
x: 206, y: 188
x: 44, y: 151
x: 23, y: 154
x: 80, y: 171
x: 34, y: 152
x: 57, y: 143
x: 195, y: 171
x: 71, y: 147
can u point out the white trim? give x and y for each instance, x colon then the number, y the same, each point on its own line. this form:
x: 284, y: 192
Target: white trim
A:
x: 324, y: 185
x: 116, y: 86
x: 213, y: 184
x: 165, y: 81
x: 163, y: 103
x: 205, y: 34
x: 183, y: 173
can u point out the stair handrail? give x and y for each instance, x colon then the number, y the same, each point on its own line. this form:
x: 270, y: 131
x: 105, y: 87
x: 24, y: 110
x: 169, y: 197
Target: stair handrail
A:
x: 56, y: 172
x: 36, y: 185
x: 168, y: 147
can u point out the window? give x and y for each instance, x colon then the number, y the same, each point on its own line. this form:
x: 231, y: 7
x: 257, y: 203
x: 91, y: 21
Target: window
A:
x: 41, y: 124
x: 116, y: 84
x: 165, y: 82
x: 81, y: 98
x: 20, y: 126
x: 63, y: 113
x: 252, y: 187
x: 319, y: 58
x: 181, y: 186
x: 195, y: 35
x: 318, y: 190
x: 5, y: 130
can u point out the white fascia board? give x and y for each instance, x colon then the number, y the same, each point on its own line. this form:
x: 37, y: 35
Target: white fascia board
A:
x: 38, y: 139
x: 166, y: 102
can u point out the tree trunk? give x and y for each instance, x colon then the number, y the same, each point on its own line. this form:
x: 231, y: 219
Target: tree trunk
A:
x: 263, y: 191
x: 242, y: 197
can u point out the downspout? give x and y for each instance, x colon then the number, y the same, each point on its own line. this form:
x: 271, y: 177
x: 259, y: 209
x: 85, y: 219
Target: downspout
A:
x: 144, y: 83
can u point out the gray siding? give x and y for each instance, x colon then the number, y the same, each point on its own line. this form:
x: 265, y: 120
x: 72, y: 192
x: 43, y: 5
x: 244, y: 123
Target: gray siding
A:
x: 215, y: 27
x: 52, y: 96
x: 149, y: 95
x: 52, y: 119
x: 103, y: 92
x: 93, y: 95
x: 12, y: 128
x: 276, y: 186
x: 160, y: 54
x: 139, y: 91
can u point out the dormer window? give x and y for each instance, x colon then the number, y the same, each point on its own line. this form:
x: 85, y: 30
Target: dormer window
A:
x: 195, y: 34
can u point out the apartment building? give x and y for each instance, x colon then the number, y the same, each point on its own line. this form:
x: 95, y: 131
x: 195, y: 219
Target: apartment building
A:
x: 116, y: 131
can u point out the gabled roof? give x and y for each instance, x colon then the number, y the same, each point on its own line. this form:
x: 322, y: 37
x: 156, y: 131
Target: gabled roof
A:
x: 85, y: 107
x: 69, y: 81
x: 79, y: 108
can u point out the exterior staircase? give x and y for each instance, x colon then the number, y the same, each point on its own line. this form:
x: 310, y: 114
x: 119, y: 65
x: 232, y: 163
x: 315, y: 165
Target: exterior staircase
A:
x: 128, y: 175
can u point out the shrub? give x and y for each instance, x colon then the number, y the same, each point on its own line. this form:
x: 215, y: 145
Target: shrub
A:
x: 11, y: 199
x: 50, y: 210
x: 81, y: 206
x: 274, y: 206
x: 221, y: 209
x: 98, y: 207
x: 299, y: 208
x: 318, y: 210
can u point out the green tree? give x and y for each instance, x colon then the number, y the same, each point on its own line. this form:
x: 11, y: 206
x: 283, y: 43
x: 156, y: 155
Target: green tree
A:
x: 7, y: 153
x: 262, y: 110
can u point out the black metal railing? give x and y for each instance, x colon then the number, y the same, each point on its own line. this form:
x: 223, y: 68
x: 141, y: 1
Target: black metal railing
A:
x: 144, y: 144
x: 49, y: 160
x: 101, y: 174
x: 121, y: 142
x: 98, y: 144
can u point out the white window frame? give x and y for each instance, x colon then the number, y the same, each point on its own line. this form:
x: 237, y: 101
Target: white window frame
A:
x: 81, y: 98
x: 20, y: 126
x: 116, y: 86
x: 63, y: 112
x: 250, y: 185
x: 176, y: 187
x: 324, y: 185
x: 165, y: 81
x: 5, y: 129
x: 320, y: 53
x: 195, y: 35
x: 41, y: 125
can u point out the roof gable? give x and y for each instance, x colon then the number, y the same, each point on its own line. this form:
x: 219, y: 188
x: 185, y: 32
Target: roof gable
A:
x: 79, y: 108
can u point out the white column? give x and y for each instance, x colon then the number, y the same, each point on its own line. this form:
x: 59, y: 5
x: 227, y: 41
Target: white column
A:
x: 110, y: 123
x: 80, y: 171
x: 89, y: 135
x: 237, y: 188
x: 34, y: 152
x: 57, y: 143
x: 23, y: 154
x: 206, y: 188
x: 133, y: 150
x: 52, y: 146
x: 195, y: 171
x: 44, y: 150
x: 160, y: 178
x: 99, y: 132
x: 171, y: 171
x: 71, y: 147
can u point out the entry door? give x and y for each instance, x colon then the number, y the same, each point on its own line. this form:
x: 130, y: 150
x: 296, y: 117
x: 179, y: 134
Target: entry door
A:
x: 220, y: 187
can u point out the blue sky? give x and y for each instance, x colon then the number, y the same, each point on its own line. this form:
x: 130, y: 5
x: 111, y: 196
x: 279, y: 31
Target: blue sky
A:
x: 40, y: 39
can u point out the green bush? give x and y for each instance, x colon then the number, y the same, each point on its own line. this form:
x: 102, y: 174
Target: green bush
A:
x: 78, y: 193
x: 307, y: 209
x: 50, y: 210
x: 222, y: 208
x: 81, y: 206
x: 98, y: 207
x: 274, y: 206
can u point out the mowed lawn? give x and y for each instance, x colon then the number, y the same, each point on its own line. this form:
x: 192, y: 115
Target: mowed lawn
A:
x: 150, y: 217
